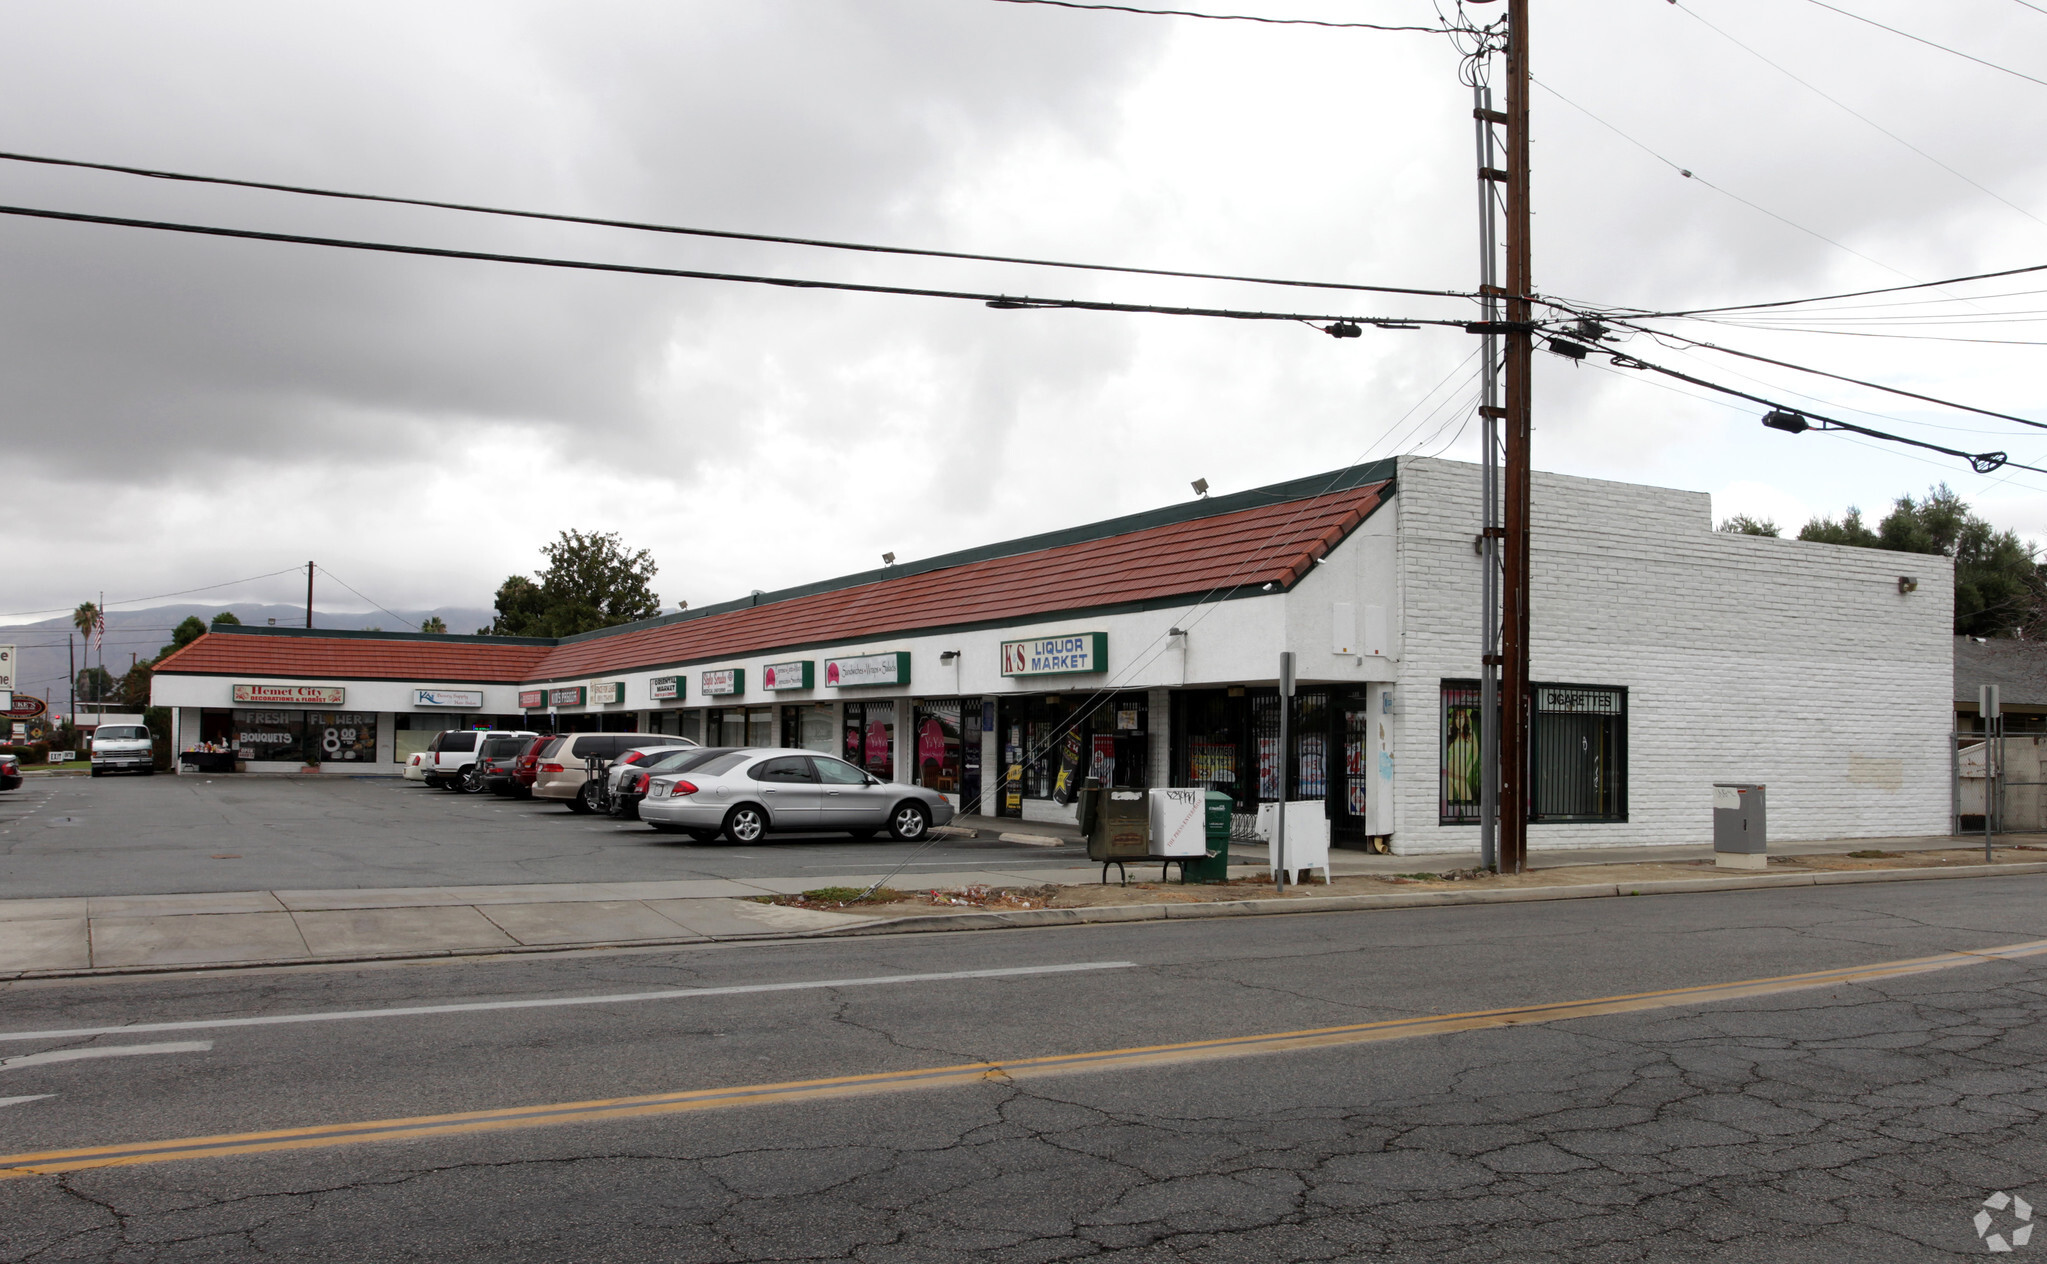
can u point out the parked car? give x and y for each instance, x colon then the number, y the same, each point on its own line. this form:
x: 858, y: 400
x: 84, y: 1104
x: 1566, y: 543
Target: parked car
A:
x: 119, y: 746
x: 10, y: 773
x: 492, y: 770
x: 452, y: 752
x: 526, y: 767
x: 560, y: 772
x: 749, y: 793
x: 626, y: 783
x: 415, y: 767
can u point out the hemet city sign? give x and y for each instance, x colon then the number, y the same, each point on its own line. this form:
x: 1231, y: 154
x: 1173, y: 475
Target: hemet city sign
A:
x: 470, y: 698
x: 607, y: 693
x: 1057, y: 655
x: 305, y: 695
x: 665, y: 688
x: 717, y: 684
x: 567, y: 696
x: 892, y: 668
x: 792, y: 675
x: 532, y: 699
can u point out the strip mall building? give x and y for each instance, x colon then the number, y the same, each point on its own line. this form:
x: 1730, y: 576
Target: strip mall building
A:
x: 1666, y: 657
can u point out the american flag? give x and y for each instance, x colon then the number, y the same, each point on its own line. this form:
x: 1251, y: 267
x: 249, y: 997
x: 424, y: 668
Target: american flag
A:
x: 99, y: 630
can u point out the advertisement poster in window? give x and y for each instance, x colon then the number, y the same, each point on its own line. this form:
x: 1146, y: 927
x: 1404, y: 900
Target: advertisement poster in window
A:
x: 341, y: 736
x: 1356, y: 759
x: 1460, y: 754
x: 1012, y: 790
x: 1103, y: 765
x: 270, y: 735
x: 1268, y: 768
x: 1067, y: 779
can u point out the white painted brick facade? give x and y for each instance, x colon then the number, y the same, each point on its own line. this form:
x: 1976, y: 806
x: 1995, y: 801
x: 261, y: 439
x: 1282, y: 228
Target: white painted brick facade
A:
x: 1799, y: 666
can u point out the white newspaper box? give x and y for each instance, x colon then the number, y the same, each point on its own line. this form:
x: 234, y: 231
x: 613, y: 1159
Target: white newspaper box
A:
x: 1307, y: 834
x: 1179, y: 824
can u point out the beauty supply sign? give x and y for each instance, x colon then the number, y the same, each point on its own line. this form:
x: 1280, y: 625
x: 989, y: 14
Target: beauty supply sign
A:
x: 1060, y: 655
x: 714, y: 684
x: 868, y: 669
x: 470, y: 698
x: 300, y: 695
x: 794, y: 675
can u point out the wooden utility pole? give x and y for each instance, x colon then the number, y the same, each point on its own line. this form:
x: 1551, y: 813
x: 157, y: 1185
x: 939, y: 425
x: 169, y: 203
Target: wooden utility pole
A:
x: 1515, y: 701
x: 309, y: 594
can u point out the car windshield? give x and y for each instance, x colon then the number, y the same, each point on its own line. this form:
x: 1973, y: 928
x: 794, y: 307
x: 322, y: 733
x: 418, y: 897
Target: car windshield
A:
x: 123, y: 732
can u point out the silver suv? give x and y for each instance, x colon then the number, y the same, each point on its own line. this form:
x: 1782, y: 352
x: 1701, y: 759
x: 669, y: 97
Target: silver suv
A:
x: 118, y: 746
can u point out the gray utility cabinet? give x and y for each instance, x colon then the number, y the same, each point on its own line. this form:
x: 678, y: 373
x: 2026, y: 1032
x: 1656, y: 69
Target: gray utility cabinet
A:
x: 1739, y: 820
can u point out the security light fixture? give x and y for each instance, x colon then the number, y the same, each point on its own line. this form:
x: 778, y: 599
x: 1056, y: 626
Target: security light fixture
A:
x: 1176, y: 631
x: 1268, y: 588
x: 1568, y: 350
x: 888, y: 559
x: 1200, y: 486
x: 1907, y: 584
x: 948, y: 656
x: 1789, y: 422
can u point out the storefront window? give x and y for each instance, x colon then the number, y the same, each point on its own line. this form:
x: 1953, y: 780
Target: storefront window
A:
x: 1228, y: 740
x: 278, y: 736
x: 938, y: 746
x: 341, y: 736
x: 1580, y: 753
x: 760, y: 726
x: 1074, y: 737
x: 727, y: 727
x: 810, y: 726
x: 1460, y: 729
x: 870, y: 734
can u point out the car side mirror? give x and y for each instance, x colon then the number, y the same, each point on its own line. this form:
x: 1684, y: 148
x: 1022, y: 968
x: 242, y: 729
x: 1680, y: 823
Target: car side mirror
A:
x: 873, y: 780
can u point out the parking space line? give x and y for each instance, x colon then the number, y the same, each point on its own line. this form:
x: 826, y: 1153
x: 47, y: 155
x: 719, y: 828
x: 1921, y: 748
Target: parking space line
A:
x: 102, y: 1051
x: 557, y: 1002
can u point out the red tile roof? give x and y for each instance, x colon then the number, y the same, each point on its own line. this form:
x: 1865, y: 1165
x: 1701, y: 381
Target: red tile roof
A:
x: 1247, y: 548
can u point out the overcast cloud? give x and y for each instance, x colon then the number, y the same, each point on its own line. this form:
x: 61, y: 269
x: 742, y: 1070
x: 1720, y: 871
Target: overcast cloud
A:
x: 180, y: 411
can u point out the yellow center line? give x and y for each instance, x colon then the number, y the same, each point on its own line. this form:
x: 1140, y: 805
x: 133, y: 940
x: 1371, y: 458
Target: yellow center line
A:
x: 419, y: 1126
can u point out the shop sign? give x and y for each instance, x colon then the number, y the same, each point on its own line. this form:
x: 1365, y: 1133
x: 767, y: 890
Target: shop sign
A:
x: 23, y: 706
x: 532, y: 699
x: 796, y: 675
x: 311, y: 695
x: 1057, y: 655
x: 607, y: 693
x: 469, y: 698
x: 868, y: 669
x: 567, y: 696
x: 715, y: 684
x: 665, y: 688
x: 6, y: 669
x: 1556, y: 698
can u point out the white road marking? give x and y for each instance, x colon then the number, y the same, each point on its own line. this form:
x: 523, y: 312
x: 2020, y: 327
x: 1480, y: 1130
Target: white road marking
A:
x: 102, y: 1051
x: 551, y: 1002
x: 16, y: 1101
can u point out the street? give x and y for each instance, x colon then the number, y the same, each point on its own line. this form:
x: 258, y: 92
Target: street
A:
x: 1863, y: 1120
x: 156, y: 835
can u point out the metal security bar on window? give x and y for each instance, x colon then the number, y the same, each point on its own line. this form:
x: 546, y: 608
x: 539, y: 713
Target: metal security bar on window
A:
x: 1579, y: 754
x: 1459, y: 787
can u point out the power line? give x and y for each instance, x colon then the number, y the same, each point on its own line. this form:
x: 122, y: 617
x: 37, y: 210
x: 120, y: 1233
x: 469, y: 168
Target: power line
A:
x: 1696, y: 16
x: 1917, y: 39
x: 1349, y: 325
x: 345, y: 584
x: 1232, y: 17
x: 717, y: 233
x: 129, y: 601
x: 1828, y: 298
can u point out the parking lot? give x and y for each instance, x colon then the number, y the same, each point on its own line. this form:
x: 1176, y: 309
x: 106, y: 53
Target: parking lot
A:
x: 132, y: 835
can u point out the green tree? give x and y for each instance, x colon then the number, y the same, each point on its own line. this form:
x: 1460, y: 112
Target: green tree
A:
x: 433, y: 623
x: 591, y: 581
x: 1998, y: 585
x: 85, y: 618
x: 226, y: 617
x: 94, y: 684
x: 1742, y: 524
x: 132, y: 689
x: 181, y: 636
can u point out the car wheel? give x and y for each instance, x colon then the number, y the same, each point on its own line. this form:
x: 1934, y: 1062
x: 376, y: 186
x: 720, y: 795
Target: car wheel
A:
x: 587, y: 796
x: 862, y: 835
x: 472, y: 780
x: 909, y: 822
x: 745, y: 824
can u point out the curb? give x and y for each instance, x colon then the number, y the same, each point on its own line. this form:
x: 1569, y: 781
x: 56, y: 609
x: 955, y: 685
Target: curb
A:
x: 1022, y: 919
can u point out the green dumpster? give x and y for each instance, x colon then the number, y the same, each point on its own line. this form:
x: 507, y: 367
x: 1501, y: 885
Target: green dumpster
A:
x: 1216, y: 866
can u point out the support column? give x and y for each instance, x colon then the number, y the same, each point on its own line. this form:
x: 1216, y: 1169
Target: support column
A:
x: 1158, y: 719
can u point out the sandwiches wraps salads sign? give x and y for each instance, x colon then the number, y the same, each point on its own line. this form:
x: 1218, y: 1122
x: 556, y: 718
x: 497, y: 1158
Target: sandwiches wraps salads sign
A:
x: 892, y: 668
x: 1057, y: 655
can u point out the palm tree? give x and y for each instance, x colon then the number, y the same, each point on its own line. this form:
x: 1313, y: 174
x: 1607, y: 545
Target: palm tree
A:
x: 433, y: 623
x: 86, y: 618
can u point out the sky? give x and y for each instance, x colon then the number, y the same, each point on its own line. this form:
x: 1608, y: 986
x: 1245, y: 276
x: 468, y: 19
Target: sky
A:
x: 181, y: 413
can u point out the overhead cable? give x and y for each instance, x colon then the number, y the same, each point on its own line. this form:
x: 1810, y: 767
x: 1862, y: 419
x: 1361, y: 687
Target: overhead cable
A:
x: 1828, y: 298
x: 1232, y: 17
x: 717, y: 233
x: 129, y: 601
x: 1005, y: 301
x: 1918, y: 39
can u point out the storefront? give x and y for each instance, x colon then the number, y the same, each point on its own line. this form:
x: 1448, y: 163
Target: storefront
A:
x: 1228, y: 740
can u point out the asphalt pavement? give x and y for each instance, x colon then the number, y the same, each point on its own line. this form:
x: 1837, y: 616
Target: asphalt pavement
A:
x: 792, y: 1100
x: 130, y: 835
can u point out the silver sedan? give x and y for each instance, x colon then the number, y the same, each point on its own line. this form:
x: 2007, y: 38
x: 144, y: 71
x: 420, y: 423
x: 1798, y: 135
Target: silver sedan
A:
x: 748, y: 793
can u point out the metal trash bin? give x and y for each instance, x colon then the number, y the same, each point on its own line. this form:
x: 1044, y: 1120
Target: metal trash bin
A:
x: 1741, y: 836
x: 1215, y: 867
x: 1120, y: 829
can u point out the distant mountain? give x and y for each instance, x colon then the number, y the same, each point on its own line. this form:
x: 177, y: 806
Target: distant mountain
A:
x: 133, y: 634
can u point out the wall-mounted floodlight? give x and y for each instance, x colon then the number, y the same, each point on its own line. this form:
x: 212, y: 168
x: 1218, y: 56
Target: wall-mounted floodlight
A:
x: 1176, y: 631
x: 1787, y: 421
x: 1200, y: 486
x: 888, y: 559
x: 948, y: 656
x: 1907, y: 584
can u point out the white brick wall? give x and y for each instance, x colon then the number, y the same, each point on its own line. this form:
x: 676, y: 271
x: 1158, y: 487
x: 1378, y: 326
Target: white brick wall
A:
x: 1796, y: 665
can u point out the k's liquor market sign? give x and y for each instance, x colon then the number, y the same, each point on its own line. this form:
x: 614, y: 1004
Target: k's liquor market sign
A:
x: 1057, y: 655
x: 291, y: 695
